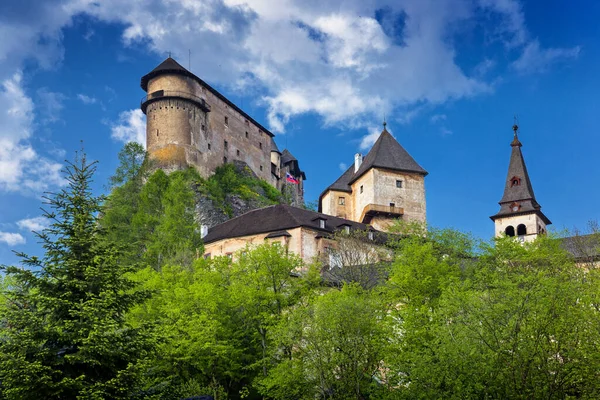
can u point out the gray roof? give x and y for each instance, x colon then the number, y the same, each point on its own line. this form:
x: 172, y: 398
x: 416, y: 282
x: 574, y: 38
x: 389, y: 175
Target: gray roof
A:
x: 582, y: 247
x: 386, y: 153
x: 170, y: 66
x: 521, y: 193
x: 287, y: 157
x: 274, y: 146
x: 277, y: 218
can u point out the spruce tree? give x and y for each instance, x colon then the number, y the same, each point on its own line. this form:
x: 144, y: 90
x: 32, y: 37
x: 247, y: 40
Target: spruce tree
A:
x: 65, y: 335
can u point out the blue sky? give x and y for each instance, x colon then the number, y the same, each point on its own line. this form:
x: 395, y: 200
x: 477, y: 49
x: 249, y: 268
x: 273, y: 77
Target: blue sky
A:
x: 448, y: 75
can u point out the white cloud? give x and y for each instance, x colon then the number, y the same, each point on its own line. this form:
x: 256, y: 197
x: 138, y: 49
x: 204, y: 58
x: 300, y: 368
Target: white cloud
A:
x: 438, y: 117
x: 86, y: 99
x: 22, y: 169
x: 131, y: 127
x: 11, y: 239
x: 536, y: 59
x: 33, y: 224
x: 50, y: 105
x: 445, y: 131
x: 343, y: 166
x: 369, y: 139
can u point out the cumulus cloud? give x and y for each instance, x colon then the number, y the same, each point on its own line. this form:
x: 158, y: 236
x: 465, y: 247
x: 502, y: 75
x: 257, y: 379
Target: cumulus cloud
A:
x: 22, y: 169
x: 348, y: 61
x: 85, y: 99
x: 131, y: 127
x: 369, y: 139
x: 11, y: 238
x: 438, y: 117
x: 36, y: 224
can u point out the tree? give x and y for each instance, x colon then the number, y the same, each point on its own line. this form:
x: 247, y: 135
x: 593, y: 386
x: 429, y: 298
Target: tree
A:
x: 132, y: 158
x: 338, y: 343
x: 523, y: 324
x: 66, y: 334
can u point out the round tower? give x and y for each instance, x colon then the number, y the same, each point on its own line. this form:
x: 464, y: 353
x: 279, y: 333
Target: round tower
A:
x: 176, y: 117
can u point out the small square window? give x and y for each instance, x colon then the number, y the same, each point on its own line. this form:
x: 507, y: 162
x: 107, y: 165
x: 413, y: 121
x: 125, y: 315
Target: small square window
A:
x: 361, y: 188
x: 392, y: 204
x: 342, y: 201
x: 226, y: 121
x: 398, y: 183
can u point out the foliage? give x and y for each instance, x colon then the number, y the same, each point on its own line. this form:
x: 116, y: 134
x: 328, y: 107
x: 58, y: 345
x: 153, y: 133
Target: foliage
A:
x: 65, y: 334
x: 228, y: 181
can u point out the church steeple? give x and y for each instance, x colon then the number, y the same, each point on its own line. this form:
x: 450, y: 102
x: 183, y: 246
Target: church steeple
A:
x: 520, y: 214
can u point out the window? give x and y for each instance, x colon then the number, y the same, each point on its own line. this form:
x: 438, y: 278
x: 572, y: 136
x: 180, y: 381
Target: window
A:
x: 157, y: 133
x: 225, y: 144
x: 515, y: 181
x: 237, y: 152
x: 247, y: 123
x: 347, y: 229
x: 246, y: 135
x: 342, y: 201
x: 361, y: 188
x: 521, y: 230
x: 226, y: 121
x: 203, y: 127
x: 260, y: 145
x: 321, y: 223
x: 510, y: 231
x: 229, y: 255
x: 398, y: 183
x: 225, y: 160
x: 392, y: 204
x: 207, y: 256
x: 209, y: 146
x: 370, y: 235
x: 261, y: 167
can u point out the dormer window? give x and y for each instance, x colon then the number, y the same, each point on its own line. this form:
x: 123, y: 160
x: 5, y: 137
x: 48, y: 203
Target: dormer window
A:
x: 370, y: 234
x: 321, y: 222
x: 515, y: 181
x: 347, y: 229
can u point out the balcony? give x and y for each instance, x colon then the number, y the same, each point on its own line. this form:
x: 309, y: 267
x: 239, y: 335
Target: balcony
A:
x: 173, y: 94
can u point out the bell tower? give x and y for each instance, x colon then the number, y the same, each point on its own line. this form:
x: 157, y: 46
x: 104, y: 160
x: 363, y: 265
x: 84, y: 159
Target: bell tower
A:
x: 520, y: 214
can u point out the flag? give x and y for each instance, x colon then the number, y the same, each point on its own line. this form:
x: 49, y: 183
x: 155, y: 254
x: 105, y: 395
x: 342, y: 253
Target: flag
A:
x: 291, y: 179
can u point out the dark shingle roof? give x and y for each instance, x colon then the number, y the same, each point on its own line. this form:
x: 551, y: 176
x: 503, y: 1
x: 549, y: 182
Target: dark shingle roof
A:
x: 277, y: 218
x: 521, y: 193
x: 582, y: 247
x: 387, y: 153
x: 274, y: 146
x: 287, y: 157
x: 170, y: 66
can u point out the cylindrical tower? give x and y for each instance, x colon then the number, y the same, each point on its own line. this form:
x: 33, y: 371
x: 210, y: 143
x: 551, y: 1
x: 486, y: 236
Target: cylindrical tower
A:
x: 176, y: 117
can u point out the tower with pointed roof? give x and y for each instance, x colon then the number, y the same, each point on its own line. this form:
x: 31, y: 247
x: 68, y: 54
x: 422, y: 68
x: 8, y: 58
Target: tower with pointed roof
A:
x: 191, y: 124
x: 520, y: 214
x: 384, y: 185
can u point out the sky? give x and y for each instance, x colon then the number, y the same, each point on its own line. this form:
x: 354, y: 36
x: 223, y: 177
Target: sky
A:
x: 449, y: 76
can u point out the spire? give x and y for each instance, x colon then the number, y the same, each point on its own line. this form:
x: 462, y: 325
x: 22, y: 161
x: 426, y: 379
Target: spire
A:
x: 518, y: 197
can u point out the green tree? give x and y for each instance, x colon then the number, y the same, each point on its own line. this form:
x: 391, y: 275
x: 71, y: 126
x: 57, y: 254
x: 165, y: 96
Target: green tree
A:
x: 524, y: 324
x: 66, y: 335
x: 338, y: 342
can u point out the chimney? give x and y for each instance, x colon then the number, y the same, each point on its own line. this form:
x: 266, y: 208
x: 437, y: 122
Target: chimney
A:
x: 203, y: 231
x: 357, y: 161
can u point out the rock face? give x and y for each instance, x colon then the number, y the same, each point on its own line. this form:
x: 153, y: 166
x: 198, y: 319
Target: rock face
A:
x: 209, y: 213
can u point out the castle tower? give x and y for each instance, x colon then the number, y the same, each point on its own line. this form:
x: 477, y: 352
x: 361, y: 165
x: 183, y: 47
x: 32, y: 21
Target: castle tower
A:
x: 520, y: 214
x: 385, y: 185
x: 176, y: 117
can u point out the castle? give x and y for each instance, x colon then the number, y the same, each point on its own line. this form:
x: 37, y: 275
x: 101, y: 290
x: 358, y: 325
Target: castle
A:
x: 190, y: 124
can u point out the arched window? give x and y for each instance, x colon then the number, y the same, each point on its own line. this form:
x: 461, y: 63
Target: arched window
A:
x: 521, y: 230
x: 510, y: 231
